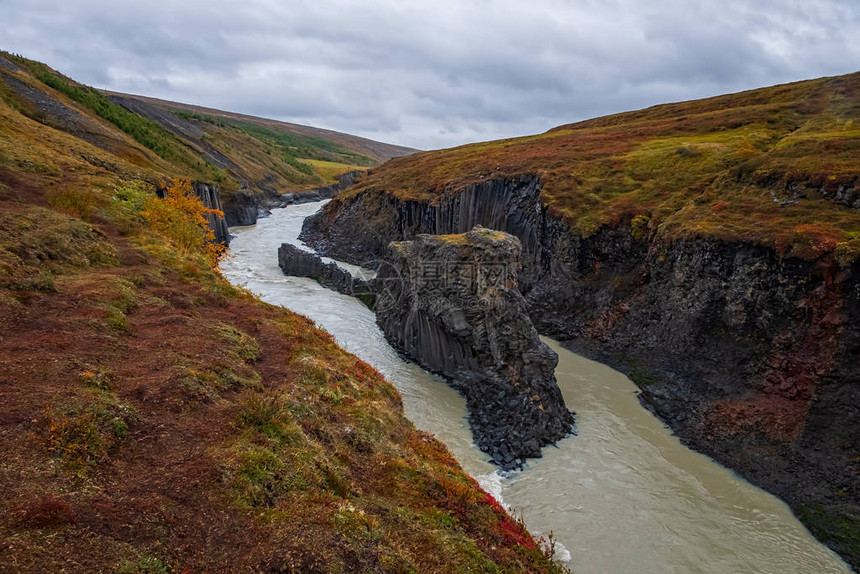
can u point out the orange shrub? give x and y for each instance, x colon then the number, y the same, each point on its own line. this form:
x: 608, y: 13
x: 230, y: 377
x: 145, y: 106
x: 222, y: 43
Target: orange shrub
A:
x: 182, y: 219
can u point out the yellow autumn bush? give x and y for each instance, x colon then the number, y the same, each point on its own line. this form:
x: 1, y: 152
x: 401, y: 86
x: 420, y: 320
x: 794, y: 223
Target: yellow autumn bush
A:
x: 182, y: 219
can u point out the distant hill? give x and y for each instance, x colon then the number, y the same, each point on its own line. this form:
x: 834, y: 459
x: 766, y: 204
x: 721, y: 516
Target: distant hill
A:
x: 170, y: 139
x: 267, y: 154
x: 379, y: 151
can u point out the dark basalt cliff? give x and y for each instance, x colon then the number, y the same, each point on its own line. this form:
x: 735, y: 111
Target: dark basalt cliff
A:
x: 452, y: 304
x: 751, y: 357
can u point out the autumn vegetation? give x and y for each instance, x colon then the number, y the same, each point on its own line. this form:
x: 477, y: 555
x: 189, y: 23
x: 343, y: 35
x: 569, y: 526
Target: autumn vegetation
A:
x: 767, y: 166
x: 181, y: 218
x: 157, y: 419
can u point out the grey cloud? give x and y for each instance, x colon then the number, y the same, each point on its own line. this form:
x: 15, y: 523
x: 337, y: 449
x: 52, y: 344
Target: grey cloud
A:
x: 433, y: 74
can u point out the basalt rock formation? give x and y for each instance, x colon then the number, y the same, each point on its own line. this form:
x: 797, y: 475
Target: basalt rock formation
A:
x: 297, y: 262
x: 451, y: 303
x: 750, y: 356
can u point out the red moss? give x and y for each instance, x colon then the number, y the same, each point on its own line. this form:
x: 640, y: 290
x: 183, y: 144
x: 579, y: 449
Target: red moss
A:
x: 47, y: 512
x: 790, y: 375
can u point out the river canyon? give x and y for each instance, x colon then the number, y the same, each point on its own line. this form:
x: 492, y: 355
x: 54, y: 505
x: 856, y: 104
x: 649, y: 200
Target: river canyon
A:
x: 624, y: 495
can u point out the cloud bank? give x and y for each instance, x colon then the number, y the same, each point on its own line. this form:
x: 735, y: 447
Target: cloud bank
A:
x: 435, y: 74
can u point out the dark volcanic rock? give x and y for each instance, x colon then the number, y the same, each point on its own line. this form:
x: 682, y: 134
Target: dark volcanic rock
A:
x: 300, y: 263
x: 243, y: 209
x: 451, y: 303
x: 750, y: 357
x: 210, y: 197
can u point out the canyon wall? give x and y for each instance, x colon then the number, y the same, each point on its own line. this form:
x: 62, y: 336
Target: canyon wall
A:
x: 750, y: 357
x: 210, y: 197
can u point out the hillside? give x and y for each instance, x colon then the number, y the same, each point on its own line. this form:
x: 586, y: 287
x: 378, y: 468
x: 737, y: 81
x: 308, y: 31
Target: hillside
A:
x: 778, y: 166
x: 378, y: 151
x: 264, y: 154
x: 230, y: 150
x: 156, y: 419
x: 708, y: 249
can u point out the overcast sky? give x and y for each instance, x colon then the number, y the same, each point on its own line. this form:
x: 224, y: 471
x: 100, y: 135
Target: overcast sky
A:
x: 435, y: 73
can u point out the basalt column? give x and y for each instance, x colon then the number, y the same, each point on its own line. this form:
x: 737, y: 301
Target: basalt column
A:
x: 451, y: 303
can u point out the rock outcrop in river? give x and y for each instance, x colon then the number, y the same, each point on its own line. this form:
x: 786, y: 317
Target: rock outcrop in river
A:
x: 451, y: 303
x: 297, y: 262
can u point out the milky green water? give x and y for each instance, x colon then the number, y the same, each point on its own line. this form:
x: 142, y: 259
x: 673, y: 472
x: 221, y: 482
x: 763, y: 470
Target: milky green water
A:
x: 624, y: 496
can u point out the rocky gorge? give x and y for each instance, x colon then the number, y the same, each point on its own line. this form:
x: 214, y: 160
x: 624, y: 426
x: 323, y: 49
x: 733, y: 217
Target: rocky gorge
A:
x: 451, y: 303
x: 245, y: 207
x: 750, y: 356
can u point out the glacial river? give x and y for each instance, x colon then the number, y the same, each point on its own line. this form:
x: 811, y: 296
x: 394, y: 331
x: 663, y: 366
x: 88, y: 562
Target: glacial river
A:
x: 624, y: 496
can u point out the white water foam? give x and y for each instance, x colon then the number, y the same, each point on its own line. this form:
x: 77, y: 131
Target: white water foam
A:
x: 492, y: 483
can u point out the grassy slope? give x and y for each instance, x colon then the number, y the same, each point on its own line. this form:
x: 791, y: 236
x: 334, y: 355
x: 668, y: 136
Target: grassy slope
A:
x: 719, y: 167
x: 264, y: 154
x: 377, y: 150
x: 212, y: 145
x: 155, y: 418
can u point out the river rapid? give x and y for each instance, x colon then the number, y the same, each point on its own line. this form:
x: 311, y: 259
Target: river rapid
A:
x: 624, y: 496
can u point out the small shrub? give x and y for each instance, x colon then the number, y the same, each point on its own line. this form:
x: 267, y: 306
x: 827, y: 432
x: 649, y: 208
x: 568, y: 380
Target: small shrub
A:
x: 198, y: 390
x: 266, y: 415
x: 98, y: 378
x: 814, y: 240
x: 76, y: 202
x: 116, y: 319
x: 47, y: 512
x: 847, y: 252
x: 146, y: 564
x: 77, y: 439
x: 127, y: 203
x: 639, y: 227
x: 82, y: 437
x: 263, y: 477
x: 182, y: 219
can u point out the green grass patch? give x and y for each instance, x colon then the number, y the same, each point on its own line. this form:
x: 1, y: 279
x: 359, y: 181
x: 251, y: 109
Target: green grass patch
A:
x: 242, y: 345
x: 330, y: 170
